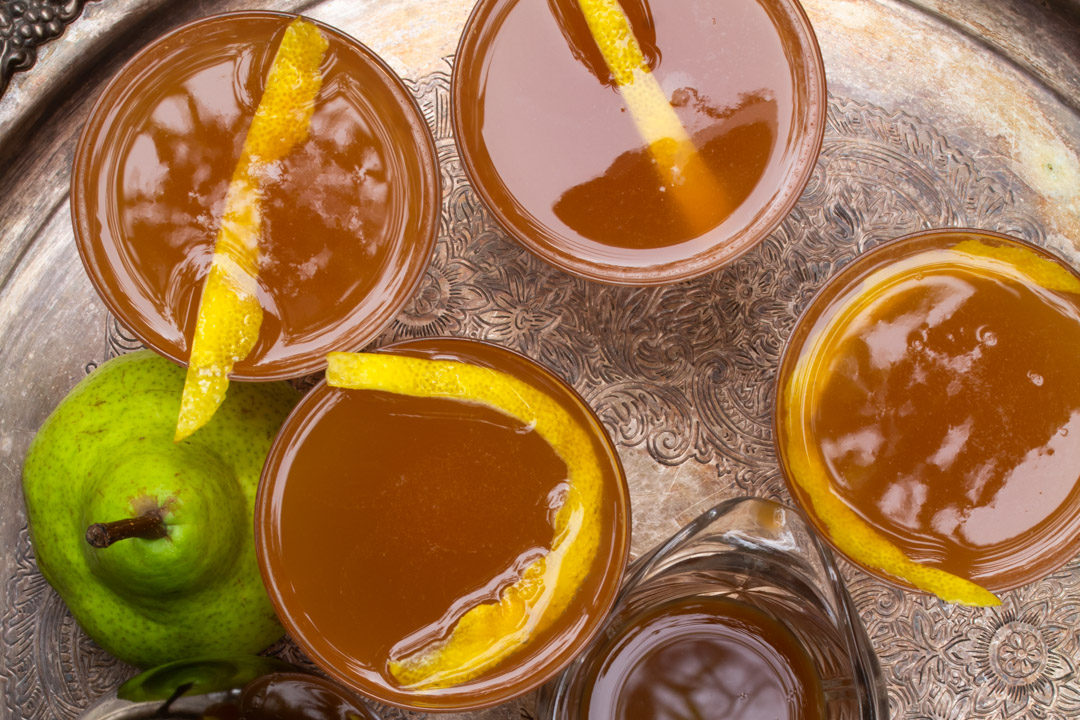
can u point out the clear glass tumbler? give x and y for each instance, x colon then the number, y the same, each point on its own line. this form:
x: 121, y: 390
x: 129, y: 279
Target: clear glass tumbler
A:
x: 753, y: 552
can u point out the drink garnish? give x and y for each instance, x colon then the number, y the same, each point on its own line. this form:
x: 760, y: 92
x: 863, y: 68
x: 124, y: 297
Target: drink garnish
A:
x: 230, y: 313
x: 1042, y: 271
x: 488, y: 633
x: 677, y: 159
x: 859, y: 540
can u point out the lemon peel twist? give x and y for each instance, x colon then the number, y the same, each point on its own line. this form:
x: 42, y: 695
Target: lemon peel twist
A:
x: 1019, y: 260
x: 860, y: 541
x: 230, y: 313
x: 848, y: 530
x: 488, y: 633
x: 680, y: 165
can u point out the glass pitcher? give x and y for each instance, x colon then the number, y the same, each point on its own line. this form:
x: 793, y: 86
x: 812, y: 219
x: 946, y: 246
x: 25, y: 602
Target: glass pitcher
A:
x: 743, y: 552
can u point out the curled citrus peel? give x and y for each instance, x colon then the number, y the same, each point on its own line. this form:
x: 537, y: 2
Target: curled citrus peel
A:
x: 488, y: 633
x: 1042, y: 271
x: 677, y: 160
x: 848, y: 530
x: 230, y: 313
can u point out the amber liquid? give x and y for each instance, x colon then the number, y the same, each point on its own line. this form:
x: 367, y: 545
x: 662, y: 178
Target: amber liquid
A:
x: 706, y: 659
x: 389, y: 517
x: 343, y: 219
x: 559, y: 155
x: 947, y: 411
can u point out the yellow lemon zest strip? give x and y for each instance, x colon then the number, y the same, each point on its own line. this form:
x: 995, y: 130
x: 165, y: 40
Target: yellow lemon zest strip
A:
x: 488, y: 633
x: 229, y: 311
x: 1042, y: 271
x: 852, y: 534
x: 677, y: 159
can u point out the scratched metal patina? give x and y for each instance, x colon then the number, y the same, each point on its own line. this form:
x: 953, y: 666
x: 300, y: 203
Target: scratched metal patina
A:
x: 26, y: 25
x: 939, y: 114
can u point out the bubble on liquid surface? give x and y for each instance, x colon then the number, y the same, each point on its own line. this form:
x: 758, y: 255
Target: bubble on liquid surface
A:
x: 986, y: 336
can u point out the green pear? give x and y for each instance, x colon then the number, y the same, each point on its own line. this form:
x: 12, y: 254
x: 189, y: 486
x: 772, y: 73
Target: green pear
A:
x: 172, y: 571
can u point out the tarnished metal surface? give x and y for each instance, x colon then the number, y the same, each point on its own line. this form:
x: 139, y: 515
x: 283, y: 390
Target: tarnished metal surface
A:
x: 941, y: 112
x: 27, y: 24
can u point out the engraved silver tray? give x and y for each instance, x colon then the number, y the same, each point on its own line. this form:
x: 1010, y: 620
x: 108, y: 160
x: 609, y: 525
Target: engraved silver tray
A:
x: 941, y: 113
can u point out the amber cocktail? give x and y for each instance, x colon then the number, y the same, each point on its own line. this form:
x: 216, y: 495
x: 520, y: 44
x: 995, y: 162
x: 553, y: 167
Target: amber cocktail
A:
x: 349, y: 215
x: 933, y: 384
x: 556, y: 149
x: 382, y: 519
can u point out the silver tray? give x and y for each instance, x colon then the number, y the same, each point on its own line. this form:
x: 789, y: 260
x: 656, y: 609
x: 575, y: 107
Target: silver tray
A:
x: 941, y: 113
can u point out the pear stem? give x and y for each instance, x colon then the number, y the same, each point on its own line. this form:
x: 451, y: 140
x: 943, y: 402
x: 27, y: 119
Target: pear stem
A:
x: 147, y: 526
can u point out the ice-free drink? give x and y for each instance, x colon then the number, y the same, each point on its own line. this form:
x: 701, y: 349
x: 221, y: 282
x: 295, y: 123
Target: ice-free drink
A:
x: 933, y: 382
x: 349, y: 215
x: 384, y: 518
x: 553, y: 148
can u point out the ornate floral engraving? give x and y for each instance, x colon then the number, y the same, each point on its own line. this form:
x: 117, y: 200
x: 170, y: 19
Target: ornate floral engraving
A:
x: 26, y: 25
x: 53, y: 670
x: 1016, y: 661
x: 685, y: 373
